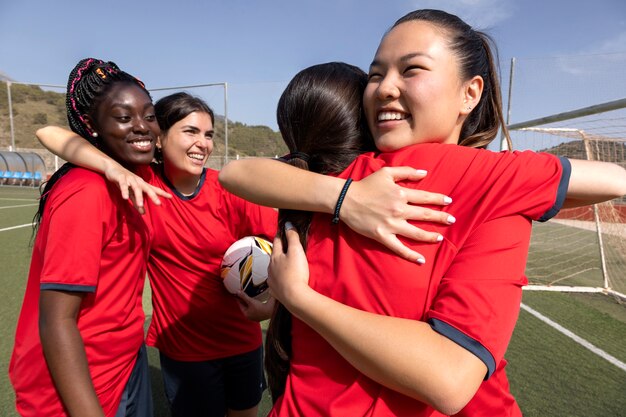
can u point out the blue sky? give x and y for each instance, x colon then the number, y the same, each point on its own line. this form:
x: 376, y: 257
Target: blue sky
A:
x: 257, y: 46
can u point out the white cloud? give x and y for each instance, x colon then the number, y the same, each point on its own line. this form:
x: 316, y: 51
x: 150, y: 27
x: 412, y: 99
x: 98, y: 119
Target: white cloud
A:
x: 480, y: 14
x: 604, y: 57
x: 616, y: 44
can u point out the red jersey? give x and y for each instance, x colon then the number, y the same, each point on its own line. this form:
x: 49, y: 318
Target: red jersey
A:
x: 89, y: 241
x: 504, y: 243
x: 194, y: 317
x: 476, y: 308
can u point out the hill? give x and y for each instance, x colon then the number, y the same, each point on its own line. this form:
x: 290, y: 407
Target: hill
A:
x: 34, y: 108
x: 604, y: 149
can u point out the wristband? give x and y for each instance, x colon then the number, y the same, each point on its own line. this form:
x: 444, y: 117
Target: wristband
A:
x: 342, y: 195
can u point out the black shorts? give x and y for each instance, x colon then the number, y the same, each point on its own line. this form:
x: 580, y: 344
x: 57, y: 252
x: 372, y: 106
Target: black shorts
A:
x: 137, y: 396
x: 209, y: 388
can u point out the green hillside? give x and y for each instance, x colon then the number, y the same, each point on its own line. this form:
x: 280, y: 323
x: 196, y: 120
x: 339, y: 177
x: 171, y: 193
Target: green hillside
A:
x: 34, y: 108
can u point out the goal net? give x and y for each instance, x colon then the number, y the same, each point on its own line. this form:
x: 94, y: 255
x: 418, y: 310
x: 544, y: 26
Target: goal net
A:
x: 581, y: 249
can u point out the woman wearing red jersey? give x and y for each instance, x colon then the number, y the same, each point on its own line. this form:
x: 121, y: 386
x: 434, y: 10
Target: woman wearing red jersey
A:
x: 211, y: 354
x: 374, y: 335
x: 79, y: 340
x: 196, y: 325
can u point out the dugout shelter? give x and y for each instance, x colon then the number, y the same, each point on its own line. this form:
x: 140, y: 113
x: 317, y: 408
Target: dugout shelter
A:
x: 21, y: 168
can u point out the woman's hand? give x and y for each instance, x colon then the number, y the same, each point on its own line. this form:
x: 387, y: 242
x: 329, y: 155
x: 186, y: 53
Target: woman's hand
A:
x: 288, y: 271
x: 133, y: 186
x: 253, y: 309
x: 379, y: 208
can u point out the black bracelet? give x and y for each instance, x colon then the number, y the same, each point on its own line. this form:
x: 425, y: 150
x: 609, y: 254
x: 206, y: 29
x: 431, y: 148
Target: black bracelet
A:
x: 342, y: 195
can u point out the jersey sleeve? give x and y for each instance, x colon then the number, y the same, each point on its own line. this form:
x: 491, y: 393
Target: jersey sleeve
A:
x: 527, y: 183
x: 75, y: 236
x: 254, y: 220
x: 478, y: 299
x: 485, y: 185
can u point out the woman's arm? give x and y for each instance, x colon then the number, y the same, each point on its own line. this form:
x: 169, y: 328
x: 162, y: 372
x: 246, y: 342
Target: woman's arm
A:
x: 73, y: 148
x: 594, y: 182
x: 65, y: 353
x: 419, y: 363
x: 375, y: 207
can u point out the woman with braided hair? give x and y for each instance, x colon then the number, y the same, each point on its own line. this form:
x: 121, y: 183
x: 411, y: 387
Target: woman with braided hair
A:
x: 79, y: 344
x: 210, y: 349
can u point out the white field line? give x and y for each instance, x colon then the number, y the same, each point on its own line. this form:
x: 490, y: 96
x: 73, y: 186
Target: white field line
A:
x: 21, y: 205
x: 576, y: 338
x: 16, y: 227
x: 17, y: 199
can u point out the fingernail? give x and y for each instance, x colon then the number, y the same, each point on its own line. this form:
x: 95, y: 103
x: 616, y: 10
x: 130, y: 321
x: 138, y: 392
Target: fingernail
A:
x: 421, y: 172
x: 421, y: 261
x: 451, y: 219
x: 439, y: 238
x: 447, y: 200
x: 288, y: 226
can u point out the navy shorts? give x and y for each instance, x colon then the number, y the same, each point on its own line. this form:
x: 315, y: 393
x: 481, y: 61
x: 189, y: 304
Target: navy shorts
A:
x: 137, y: 396
x: 210, y: 388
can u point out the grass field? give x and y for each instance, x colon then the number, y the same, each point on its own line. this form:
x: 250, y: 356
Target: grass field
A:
x: 551, y: 375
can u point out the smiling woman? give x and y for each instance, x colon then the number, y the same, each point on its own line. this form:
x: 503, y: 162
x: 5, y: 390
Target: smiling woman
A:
x: 187, y: 139
x: 126, y: 122
x: 210, y: 348
x: 79, y: 339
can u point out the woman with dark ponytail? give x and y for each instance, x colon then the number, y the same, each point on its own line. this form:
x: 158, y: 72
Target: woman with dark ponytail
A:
x: 371, y: 334
x: 334, y: 90
x: 79, y: 346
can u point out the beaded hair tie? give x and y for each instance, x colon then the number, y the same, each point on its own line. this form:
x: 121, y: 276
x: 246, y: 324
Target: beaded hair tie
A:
x: 101, y: 73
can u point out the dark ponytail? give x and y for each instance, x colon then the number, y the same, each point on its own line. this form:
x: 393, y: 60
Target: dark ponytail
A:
x: 321, y: 119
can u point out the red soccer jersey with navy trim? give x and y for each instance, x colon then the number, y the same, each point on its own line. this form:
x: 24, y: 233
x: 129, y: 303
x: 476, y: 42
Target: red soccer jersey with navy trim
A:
x: 90, y: 241
x: 194, y: 318
x: 504, y: 243
x: 488, y: 189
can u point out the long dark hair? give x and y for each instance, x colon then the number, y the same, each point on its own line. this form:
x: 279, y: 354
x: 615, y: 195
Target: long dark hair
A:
x: 321, y: 119
x: 476, y: 54
x: 87, y: 85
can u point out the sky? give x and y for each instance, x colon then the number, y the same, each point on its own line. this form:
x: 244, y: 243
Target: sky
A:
x: 569, y: 53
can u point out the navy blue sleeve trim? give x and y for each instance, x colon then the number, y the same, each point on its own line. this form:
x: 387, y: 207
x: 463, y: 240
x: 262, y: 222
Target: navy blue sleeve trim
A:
x: 465, y: 341
x: 68, y: 287
x: 561, y: 192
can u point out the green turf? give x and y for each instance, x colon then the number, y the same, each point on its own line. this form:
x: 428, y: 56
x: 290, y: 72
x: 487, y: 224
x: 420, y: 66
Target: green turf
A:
x: 559, y: 253
x: 550, y: 374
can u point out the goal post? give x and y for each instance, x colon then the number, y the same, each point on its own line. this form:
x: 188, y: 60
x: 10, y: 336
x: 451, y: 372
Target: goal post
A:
x: 582, y: 249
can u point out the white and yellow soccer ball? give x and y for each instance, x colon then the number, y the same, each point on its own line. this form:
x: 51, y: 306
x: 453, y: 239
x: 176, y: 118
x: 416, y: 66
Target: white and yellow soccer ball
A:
x: 244, y: 267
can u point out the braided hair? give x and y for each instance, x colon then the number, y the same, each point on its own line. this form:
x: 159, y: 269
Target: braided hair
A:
x: 87, y: 86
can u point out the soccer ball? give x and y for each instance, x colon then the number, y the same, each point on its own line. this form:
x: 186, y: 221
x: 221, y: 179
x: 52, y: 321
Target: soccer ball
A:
x: 244, y: 267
